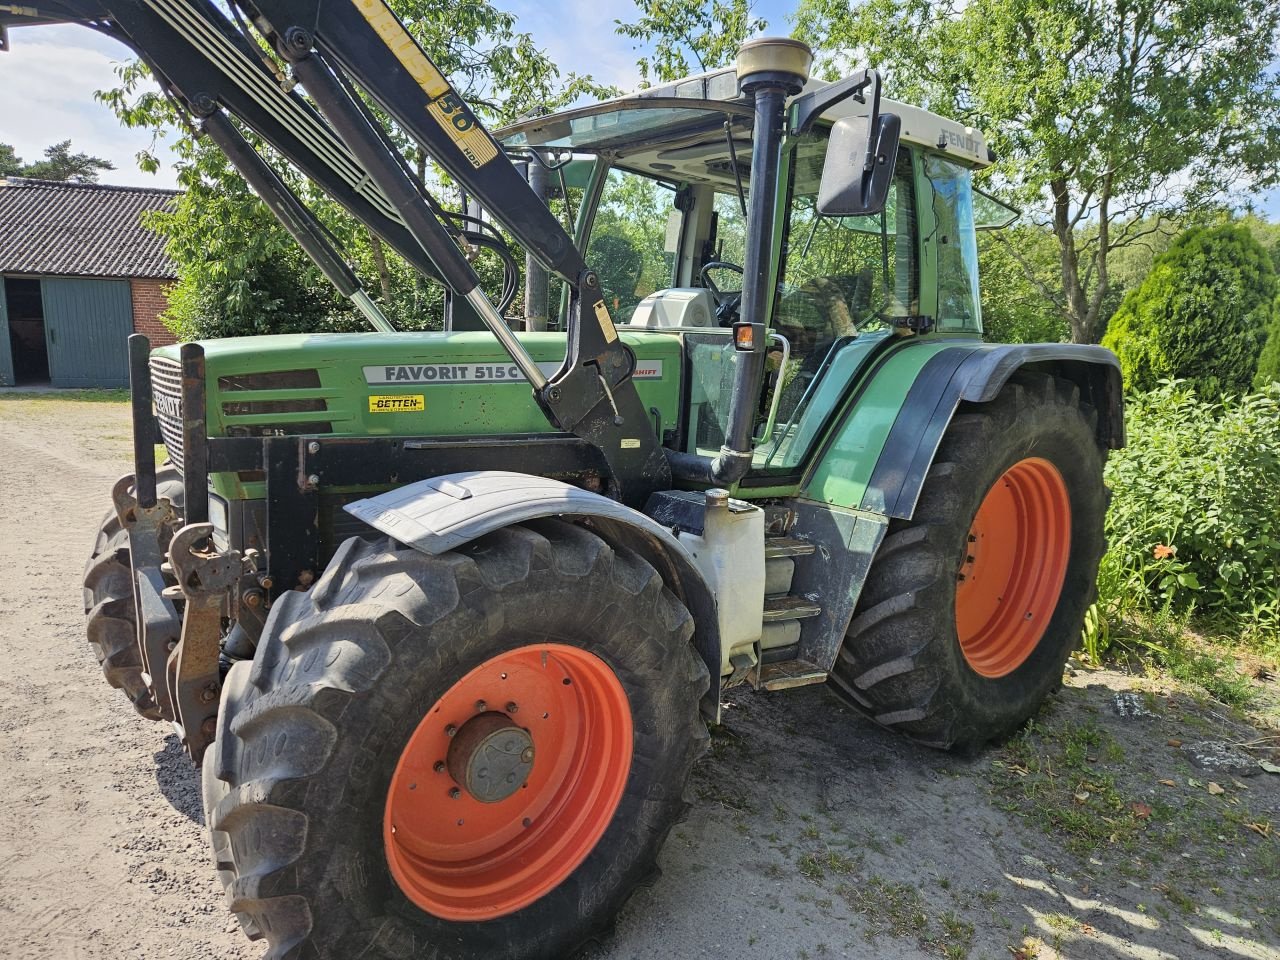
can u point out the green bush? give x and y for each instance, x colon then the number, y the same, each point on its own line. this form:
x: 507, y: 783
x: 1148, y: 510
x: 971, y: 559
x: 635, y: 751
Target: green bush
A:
x: 1194, y: 524
x: 1269, y: 359
x: 1200, y: 315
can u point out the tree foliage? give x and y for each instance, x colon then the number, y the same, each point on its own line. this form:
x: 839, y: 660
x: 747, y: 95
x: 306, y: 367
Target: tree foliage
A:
x: 1269, y: 358
x: 1103, y: 112
x: 688, y: 36
x: 242, y: 274
x: 1200, y: 314
x: 1018, y: 271
x: 10, y: 164
x: 59, y: 163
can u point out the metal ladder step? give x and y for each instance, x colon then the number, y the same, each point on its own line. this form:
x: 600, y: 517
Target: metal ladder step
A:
x: 790, y: 673
x: 775, y: 547
x: 789, y: 608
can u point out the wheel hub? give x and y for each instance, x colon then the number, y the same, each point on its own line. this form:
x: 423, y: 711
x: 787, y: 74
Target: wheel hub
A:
x: 476, y: 828
x: 490, y: 757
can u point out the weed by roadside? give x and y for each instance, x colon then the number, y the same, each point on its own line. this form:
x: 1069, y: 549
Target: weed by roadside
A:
x: 1059, y: 777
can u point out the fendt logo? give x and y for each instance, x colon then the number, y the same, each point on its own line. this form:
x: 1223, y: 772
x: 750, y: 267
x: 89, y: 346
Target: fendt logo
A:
x: 168, y: 406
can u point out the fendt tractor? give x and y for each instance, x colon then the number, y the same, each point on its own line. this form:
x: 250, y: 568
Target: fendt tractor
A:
x: 445, y: 615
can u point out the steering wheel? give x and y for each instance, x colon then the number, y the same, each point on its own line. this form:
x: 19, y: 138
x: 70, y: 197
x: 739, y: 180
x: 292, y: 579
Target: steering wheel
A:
x: 726, y: 303
x: 704, y: 275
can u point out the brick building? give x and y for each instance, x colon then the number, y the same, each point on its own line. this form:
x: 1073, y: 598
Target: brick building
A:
x: 80, y: 273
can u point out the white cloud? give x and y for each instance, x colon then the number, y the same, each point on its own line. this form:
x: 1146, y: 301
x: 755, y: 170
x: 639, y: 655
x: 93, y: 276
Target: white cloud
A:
x: 47, y: 81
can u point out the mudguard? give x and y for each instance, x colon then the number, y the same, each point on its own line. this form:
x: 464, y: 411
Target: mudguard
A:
x: 443, y: 513
x: 976, y: 373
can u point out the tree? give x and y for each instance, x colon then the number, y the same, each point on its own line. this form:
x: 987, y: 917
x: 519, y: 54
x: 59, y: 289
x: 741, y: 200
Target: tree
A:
x: 1015, y: 307
x: 1269, y: 358
x: 689, y: 36
x: 1200, y: 315
x: 1103, y: 113
x: 60, y: 163
x: 10, y: 164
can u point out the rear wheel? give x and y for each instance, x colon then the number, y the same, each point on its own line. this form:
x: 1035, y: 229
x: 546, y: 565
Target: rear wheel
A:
x: 972, y: 607
x: 108, y: 600
x: 477, y: 754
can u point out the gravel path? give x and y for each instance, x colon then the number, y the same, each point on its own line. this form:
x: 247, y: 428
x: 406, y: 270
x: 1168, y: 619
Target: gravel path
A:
x: 813, y: 834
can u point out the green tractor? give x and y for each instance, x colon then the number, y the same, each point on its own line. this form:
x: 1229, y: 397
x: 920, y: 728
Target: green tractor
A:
x: 445, y: 615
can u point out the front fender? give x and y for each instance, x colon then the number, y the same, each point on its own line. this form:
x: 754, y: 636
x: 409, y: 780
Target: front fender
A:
x: 443, y: 513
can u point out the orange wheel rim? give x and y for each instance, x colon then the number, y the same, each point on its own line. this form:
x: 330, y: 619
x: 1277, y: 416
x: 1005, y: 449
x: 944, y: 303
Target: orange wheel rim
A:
x: 508, y: 782
x: 1012, y: 575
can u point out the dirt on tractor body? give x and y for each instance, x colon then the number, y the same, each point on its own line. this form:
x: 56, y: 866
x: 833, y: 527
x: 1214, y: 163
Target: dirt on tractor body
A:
x: 1131, y: 819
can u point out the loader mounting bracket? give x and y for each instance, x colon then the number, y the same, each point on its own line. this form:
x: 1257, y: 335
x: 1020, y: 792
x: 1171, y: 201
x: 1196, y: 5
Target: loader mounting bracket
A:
x: 206, y: 578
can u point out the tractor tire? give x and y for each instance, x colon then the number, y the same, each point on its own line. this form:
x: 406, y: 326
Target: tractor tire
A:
x: 471, y: 755
x: 108, y: 601
x: 972, y: 607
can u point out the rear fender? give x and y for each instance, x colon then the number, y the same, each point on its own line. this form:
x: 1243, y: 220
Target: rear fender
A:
x: 976, y: 373
x: 443, y: 513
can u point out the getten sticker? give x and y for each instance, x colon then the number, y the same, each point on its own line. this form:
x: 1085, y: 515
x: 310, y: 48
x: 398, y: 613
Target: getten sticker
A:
x: 413, y: 403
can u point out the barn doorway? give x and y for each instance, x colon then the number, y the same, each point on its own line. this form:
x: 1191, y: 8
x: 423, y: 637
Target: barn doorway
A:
x: 29, y: 349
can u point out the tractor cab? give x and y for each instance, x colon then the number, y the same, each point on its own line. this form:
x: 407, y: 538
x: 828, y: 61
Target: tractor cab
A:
x: 662, y: 178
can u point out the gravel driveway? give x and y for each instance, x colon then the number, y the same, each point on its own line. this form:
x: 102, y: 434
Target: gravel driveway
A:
x: 812, y: 833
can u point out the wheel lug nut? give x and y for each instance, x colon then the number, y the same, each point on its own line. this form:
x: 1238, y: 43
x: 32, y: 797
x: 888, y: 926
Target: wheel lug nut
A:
x: 439, y: 767
x: 454, y: 793
x: 450, y: 730
x: 511, y: 707
x: 481, y: 706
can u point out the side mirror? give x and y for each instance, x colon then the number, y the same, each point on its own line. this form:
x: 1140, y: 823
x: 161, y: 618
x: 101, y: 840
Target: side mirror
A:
x: 858, y: 169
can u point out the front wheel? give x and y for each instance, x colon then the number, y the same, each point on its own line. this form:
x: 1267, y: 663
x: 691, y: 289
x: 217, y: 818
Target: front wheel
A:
x: 472, y: 755
x: 972, y: 607
x: 108, y: 601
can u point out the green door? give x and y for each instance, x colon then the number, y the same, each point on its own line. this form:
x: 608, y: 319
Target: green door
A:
x: 6, y: 357
x: 87, y: 323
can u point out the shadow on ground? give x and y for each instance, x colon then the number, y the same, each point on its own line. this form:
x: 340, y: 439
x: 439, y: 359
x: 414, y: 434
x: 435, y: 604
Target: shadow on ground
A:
x: 179, y: 779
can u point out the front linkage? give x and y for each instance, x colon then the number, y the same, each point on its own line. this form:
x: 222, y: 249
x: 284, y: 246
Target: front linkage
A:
x: 183, y: 586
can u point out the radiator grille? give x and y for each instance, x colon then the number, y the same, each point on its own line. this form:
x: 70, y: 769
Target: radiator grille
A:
x: 166, y: 384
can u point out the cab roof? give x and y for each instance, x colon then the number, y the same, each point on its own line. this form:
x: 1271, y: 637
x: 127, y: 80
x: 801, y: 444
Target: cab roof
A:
x: 677, y: 130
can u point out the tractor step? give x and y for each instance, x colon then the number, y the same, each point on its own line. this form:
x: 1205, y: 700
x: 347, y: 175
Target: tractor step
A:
x: 789, y: 608
x: 790, y: 673
x: 775, y: 547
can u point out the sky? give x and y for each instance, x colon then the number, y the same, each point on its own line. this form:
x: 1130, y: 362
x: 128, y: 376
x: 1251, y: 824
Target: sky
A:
x: 48, y: 78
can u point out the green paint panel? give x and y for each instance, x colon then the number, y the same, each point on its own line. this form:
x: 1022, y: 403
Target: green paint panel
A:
x: 452, y: 384
x: 853, y: 447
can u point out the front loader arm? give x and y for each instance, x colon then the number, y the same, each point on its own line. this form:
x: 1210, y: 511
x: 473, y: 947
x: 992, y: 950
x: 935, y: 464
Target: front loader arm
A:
x: 331, y: 48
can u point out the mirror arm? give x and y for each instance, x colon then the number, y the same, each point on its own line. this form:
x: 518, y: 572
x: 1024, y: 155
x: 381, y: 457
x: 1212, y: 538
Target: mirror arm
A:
x: 812, y: 105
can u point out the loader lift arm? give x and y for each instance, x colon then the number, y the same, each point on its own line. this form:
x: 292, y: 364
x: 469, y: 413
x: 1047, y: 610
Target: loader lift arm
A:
x: 212, y: 69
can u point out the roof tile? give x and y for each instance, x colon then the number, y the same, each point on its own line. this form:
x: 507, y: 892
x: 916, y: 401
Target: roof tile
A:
x: 81, y: 229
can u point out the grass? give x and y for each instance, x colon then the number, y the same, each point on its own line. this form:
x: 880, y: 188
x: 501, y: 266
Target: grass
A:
x: 92, y: 395
x: 895, y: 908
x: 1055, y: 776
